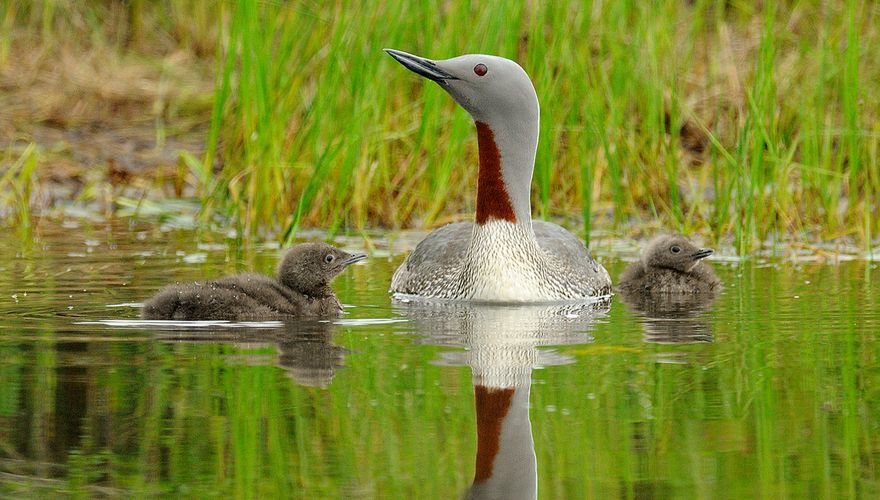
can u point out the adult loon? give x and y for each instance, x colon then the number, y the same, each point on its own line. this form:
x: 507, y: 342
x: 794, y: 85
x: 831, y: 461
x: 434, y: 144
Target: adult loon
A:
x: 302, y: 289
x: 671, y: 264
x: 503, y: 256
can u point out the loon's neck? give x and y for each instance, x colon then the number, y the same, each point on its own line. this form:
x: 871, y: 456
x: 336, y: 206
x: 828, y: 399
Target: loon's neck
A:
x: 504, y: 262
x: 507, y: 161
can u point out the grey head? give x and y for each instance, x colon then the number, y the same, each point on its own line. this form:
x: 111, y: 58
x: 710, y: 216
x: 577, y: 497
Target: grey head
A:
x: 501, y: 99
x: 492, y: 89
x: 673, y: 251
x: 309, y: 268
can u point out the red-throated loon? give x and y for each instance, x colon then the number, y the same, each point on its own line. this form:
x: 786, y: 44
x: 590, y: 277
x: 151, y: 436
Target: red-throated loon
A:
x: 504, y: 256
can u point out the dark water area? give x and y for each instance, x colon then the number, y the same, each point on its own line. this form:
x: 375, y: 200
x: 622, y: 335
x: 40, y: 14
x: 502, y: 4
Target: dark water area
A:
x: 772, y: 390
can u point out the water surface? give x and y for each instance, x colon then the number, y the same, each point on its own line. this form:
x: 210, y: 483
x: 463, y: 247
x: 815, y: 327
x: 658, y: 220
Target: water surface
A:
x: 771, y: 390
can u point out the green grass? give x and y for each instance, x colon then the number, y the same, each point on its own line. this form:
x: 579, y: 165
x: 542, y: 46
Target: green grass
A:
x: 16, y: 184
x: 616, y: 80
x: 315, y: 126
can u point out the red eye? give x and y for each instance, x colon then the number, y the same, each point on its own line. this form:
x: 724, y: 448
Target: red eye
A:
x: 481, y: 69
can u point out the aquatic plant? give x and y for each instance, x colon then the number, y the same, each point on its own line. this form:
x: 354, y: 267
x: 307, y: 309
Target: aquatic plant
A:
x: 16, y: 185
x: 729, y: 120
x: 756, y: 121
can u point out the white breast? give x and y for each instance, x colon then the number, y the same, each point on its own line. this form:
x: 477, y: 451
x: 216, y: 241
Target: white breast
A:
x: 505, y: 264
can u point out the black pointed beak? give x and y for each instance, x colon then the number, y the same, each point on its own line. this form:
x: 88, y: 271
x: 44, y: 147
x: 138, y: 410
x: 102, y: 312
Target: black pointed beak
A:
x: 420, y: 66
x: 702, y: 253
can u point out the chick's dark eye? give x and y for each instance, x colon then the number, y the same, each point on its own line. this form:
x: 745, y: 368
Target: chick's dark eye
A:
x: 329, y: 258
x: 675, y: 249
x: 481, y: 69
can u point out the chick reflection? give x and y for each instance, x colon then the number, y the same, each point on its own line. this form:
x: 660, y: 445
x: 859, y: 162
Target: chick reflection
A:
x: 310, y: 357
x: 305, y: 348
x: 672, y: 318
x: 501, y: 347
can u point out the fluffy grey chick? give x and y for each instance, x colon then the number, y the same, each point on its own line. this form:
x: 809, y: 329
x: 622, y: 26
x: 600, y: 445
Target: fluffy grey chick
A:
x: 302, y: 289
x: 670, y: 264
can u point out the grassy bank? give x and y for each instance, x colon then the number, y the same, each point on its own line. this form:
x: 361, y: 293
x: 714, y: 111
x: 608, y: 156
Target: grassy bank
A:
x: 705, y: 116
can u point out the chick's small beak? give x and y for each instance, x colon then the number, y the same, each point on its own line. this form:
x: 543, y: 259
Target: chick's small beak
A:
x: 352, y: 259
x: 702, y: 253
x: 421, y: 66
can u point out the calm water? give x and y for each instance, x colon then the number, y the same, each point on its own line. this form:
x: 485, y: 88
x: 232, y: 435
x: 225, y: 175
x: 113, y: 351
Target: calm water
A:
x: 771, y: 391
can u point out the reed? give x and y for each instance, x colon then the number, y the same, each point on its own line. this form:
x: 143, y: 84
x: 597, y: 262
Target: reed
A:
x: 16, y: 185
x: 727, y: 120
x: 723, y: 118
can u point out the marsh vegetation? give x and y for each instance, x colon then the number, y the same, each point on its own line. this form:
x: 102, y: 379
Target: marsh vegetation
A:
x: 754, y: 122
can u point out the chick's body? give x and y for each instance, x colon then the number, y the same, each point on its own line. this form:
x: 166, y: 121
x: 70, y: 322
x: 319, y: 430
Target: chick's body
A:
x: 301, y: 290
x: 670, y: 264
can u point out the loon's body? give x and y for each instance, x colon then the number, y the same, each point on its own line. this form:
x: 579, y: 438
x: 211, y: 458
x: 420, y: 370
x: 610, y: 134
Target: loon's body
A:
x: 501, y: 262
x: 503, y: 256
x: 301, y: 290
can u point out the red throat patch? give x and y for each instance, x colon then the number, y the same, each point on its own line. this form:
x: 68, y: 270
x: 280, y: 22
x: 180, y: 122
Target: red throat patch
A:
x: 493, y: 202
x: 492, y: 406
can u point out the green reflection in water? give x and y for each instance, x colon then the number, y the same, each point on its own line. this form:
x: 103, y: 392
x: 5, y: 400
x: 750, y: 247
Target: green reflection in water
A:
x: 776, y: 396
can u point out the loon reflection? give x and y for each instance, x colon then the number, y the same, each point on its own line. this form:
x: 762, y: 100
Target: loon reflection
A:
x: 502, y: 348
x: 305, y: 348
x: 672, y: 318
